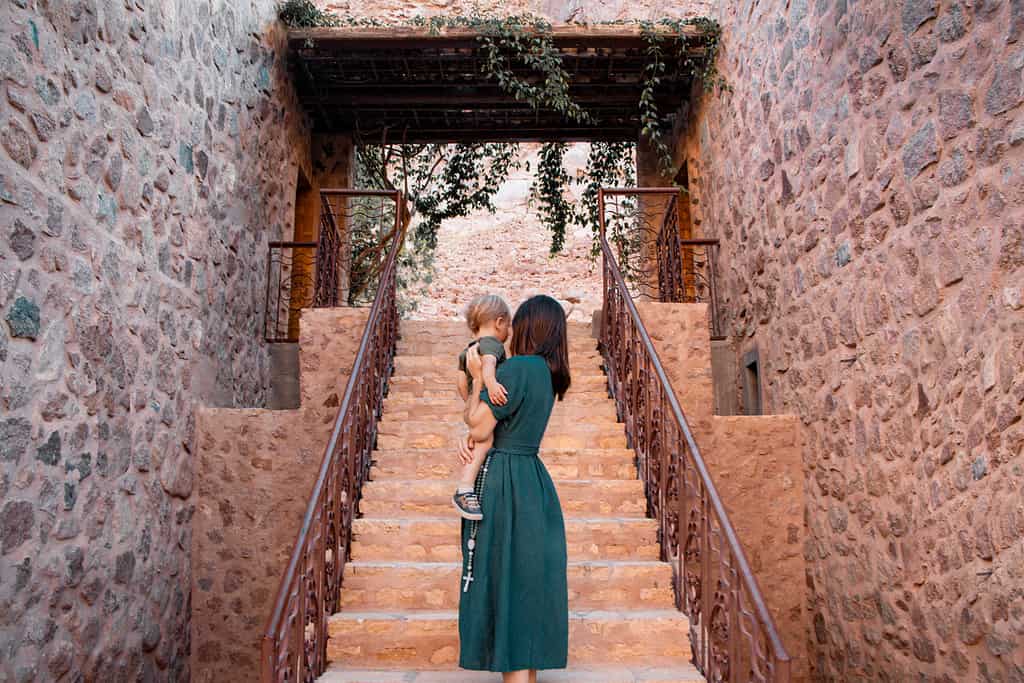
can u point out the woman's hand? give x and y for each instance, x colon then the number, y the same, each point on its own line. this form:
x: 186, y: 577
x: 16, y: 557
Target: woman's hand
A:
x: 474, y: 363
x: 466, y: 445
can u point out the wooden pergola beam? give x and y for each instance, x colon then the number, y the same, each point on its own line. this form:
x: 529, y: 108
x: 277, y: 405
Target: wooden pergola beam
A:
x: 414, y: 37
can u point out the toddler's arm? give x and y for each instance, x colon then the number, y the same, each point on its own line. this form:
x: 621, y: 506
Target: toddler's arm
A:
x: 494, y: 388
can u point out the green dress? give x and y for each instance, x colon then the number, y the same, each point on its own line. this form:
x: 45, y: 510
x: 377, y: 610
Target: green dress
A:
x: 514, y: 614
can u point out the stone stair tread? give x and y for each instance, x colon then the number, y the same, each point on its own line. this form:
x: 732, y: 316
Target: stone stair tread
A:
x: 441, y: 615
x: 596, y: 584
x: 436, y: 538
x: 594, y: 519
x: 578, y: 452
x: 385, y: 426
x: 587, y: 674
x: 592, y: 464
x: 429, y: 565
x: 422, y: 497
x: 403, y: 359
x: 428, y: 639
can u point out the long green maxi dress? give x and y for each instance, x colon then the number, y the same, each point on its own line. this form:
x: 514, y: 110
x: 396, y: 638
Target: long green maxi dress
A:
x: 514, y: 612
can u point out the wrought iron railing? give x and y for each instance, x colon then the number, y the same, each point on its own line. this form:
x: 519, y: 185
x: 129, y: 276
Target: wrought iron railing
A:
x: 291, y: 282
x: 656, y: 261
x: 295, y: 640
x: 686, y: 267
x: 317, y: 274
x: 732, y: 633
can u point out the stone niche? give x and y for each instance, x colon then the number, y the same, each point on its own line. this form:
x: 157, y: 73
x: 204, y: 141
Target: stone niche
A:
x: 254, y: 471
x: 756, y: 466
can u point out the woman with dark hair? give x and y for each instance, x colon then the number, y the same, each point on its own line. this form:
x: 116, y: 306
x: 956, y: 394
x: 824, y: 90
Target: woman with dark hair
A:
x: 514, y: 608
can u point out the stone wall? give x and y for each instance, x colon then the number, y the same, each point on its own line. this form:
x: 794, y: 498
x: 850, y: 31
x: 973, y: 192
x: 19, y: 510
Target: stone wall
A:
x: 149, y: 151
x: 865, y: 179
x: 757, y: 464
x: 681, y: 338
x: 255, y: 470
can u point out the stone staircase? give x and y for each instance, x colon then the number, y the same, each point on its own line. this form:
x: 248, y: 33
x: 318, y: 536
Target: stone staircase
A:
x: 399, y: 615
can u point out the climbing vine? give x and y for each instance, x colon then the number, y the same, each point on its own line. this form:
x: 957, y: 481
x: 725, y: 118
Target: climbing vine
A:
x: 446, y: 182
x: 548, y: 190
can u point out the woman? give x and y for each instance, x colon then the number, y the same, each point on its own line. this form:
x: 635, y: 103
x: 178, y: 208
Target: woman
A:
x: 514, y: 608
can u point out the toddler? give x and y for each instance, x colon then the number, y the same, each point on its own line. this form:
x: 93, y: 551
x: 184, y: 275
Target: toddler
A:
x: 489, y: 320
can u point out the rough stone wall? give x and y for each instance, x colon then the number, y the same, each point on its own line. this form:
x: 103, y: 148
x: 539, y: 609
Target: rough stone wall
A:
x: 757, y: 463
x: 148, y: 151
x: 865, y: 179
x: 255, y: 470
x: 581, y: 11
x: 681, y: 338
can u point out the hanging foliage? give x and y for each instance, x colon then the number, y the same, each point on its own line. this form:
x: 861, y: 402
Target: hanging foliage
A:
x: 548, y: 190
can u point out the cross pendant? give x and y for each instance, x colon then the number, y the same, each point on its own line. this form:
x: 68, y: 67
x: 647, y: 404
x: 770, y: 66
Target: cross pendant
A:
x: 466, y: 580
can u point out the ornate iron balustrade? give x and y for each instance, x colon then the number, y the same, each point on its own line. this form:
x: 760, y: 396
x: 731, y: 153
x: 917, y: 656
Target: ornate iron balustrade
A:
x: 318, y: 274
x: 686, y: 267
x: 643, y: 227
x: 291, y: 277
x: 732, y: 634
x: 294, y: 648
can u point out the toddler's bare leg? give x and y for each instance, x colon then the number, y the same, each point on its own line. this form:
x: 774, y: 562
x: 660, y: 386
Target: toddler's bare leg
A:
x: 467, y: 478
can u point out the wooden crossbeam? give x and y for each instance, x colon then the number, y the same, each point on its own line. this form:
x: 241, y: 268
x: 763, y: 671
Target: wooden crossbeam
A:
x: 413, y: 37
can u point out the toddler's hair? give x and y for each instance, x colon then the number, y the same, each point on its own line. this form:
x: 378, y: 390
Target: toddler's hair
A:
x: 485, y: 309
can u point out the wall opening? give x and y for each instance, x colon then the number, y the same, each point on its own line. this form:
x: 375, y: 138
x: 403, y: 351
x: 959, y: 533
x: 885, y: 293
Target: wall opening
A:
x: 752, y: 383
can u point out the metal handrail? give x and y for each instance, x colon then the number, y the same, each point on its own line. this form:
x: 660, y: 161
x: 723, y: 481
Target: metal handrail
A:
x: 778, y: 664
x: 331, y: 507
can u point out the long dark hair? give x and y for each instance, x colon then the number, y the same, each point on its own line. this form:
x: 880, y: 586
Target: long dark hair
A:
x: 539, y: 328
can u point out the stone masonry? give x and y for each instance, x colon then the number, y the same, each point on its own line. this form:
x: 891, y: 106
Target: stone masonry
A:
x: 865, y: 178
x: 148, y: 151
x: 255, y: 470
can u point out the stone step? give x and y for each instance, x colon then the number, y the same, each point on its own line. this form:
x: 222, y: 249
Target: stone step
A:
x: 458, y: 339
x: 449, y: 349
x: 408, y: 390
x: 443, y: 325
x: 435, y: 585
x: 446, y: 382
x: 572, y: 398
x: 430, y: 640
x: 409, y: 364
x: 678, y: 673
x: 443, y: 434
x: 442, y: 464
x: 419, y: 408
x: 436, y: 539
x: 433, y: 498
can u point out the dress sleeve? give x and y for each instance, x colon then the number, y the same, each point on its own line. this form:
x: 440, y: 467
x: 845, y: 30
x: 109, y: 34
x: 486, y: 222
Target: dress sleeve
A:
x: 512, y: 376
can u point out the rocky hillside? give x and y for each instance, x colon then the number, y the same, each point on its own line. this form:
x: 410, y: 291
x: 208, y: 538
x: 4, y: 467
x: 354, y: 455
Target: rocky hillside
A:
x: 507, y: 253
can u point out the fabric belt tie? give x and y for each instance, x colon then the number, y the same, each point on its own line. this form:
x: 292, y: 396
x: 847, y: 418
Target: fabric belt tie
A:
x: 516, y: 449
